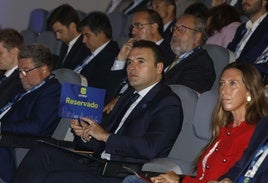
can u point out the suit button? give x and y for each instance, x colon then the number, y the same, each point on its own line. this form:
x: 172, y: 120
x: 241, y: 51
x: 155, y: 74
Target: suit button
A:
x: 216, y: 149
x: 224, y: 160
x: 207, y: 167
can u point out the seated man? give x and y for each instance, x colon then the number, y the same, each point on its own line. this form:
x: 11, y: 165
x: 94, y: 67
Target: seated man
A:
x: 133, y: 134
x: 35, y: 111
x: 64, y: 22
x: 10, y: 43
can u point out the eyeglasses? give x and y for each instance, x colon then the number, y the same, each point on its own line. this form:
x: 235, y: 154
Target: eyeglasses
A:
x: 138, y: 26
x: 182, y: 29
x: 24, y: 72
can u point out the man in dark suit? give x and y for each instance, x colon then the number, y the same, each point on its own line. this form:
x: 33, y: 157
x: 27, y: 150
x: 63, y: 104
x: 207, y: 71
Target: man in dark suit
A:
x: 64, y: 21
x: 239, y: 172
x: 10, y: 43
x: 35, y: 111
x: 146, y: 129
x: 193, y: 68
x: 97, y: 36
x: 251, y: 37
x: 167, y: 11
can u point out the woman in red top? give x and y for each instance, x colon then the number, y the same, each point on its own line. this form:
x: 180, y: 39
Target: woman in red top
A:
x: 240, y: 106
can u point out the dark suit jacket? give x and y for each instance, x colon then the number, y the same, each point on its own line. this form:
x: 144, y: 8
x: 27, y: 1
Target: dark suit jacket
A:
x: 10, y: 88
x: 36, y: 113
x: 195, y: 71
x: 258, y: 139
x: 167, y: 33
x: 255, y: 45
x: 168, y: 54
x: 77, y: 54
x: 149, y: 131
x: 98, y: 71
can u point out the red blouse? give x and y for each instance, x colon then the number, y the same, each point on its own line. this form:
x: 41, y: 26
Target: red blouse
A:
x: 227, y: 148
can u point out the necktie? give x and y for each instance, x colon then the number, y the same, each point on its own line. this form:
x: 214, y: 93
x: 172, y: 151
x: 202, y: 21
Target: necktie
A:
x: 172, y: 64
x: 243, y: 42
x: 124, y: 109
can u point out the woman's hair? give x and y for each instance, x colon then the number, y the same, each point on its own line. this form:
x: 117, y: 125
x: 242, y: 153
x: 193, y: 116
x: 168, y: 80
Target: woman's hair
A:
x: 221, y: 16
x: 256, y: 109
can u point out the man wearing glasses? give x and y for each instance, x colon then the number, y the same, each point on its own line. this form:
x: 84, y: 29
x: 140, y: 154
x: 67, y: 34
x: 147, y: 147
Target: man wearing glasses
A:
x: 193, y: 66
x: 33, y: 112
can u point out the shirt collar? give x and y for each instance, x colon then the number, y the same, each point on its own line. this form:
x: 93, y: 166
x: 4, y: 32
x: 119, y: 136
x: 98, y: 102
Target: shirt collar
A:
x: 99, y: 49
x: 159, y: 42
x: 71, y: 43
x: 143, y: 92
x: 10, y: 71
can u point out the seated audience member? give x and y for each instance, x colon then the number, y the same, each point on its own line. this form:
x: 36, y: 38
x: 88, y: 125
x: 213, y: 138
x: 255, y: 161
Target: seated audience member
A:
x: 35, y: 111
x: 10, y: 43
x: 167, y: 11
x: 97, y: 36
x: 193, y: 68
x: 253, y: 166
x: 64, y: 21
x: 221, y: 26
x: 251, y: 37
x: 240, y: 106
x: 198, y: 9
x: 134, y: 134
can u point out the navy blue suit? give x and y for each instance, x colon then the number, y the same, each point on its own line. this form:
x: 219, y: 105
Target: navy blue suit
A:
x: 195, y: 71
x: 256, y: 44
x: 258, y: 139
x: 36, y: 114
x: 167, y: 35
x: 76, y: 55
x: 149, y: 132
x: 10, y: 88
x: 98, y: 70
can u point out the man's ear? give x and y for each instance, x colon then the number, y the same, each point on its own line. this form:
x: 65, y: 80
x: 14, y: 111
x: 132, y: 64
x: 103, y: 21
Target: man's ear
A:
x: 160, y: 67
x: 73, y: 26
x: 198, y: 38
x: 15, y: 51
x: 155, y: 27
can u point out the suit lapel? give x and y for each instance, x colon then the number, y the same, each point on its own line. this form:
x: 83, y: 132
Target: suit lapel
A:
x: 255, y: 37
x: 142, y: 106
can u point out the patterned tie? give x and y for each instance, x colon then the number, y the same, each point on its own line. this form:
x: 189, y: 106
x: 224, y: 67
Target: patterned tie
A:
x: 177, y: 60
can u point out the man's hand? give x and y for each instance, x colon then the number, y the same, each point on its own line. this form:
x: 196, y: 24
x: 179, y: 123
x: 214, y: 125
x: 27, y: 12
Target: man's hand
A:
x: 78, y: 127
x: 93, y: 129
x: 122, y: 55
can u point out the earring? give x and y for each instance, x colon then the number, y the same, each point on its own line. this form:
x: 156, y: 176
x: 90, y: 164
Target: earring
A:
x: 248, y: 98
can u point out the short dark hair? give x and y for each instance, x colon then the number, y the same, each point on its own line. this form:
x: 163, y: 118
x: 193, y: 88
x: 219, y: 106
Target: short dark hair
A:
x: 171, y: 2
x: 97, y: 22
x: 151, y: 45
x: 40, y: 54
x: 65, y: 14
x: 198, y: 9
x: 11, y: 38
x: 154, y: 17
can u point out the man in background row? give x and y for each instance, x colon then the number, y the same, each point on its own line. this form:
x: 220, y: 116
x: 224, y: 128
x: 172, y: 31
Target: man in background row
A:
x: 64, y: 21
x: 10, y: 44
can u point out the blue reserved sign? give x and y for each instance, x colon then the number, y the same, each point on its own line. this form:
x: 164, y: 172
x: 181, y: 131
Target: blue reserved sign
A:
x: 80, y: 101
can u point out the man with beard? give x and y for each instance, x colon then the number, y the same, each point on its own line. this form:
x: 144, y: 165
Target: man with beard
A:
x: 251, y: 38
x: 193, y: 68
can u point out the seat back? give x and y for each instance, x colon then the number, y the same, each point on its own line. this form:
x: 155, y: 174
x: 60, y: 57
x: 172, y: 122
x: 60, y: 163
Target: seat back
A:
x: 188, y: 99
x: 220, y: 57
x: 29, y: 36
x: 118, y: 21
x: 48, y: 38
x: 194, y: 136
x: 38, y: 20
x: 63, y: 131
